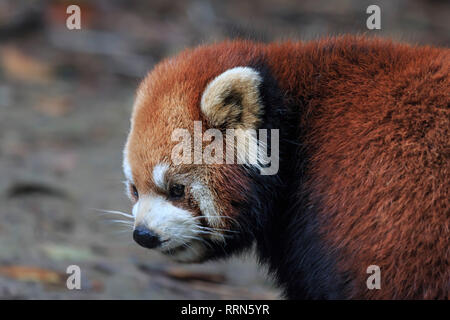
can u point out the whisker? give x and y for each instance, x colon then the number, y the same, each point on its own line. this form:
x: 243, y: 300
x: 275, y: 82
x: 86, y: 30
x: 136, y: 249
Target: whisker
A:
x: 210, y: 232
x: 223, y: 217
x: 217, y: 229
x: 191, y: 237
x: 187, y: 245
x: 124, y: 214
x: 203, y: 217
x: 129, y: 223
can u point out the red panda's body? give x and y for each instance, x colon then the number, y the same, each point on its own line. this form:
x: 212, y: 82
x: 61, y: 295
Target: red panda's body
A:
x: 364, y: 161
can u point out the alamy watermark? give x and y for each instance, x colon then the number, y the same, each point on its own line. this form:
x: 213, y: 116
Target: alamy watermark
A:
x: 240, y: 146
x: 374, y: 280
x: 73, y: 281
x: 73, y: 22
x: 374, y: 20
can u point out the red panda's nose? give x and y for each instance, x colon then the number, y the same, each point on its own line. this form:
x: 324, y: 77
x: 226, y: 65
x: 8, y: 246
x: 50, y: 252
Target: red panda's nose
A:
x: 146, y: 238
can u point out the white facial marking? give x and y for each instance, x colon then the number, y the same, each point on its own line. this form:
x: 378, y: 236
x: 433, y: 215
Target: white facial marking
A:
x: 159, y: 172
x: 126, y: 167
x: 205, y: 202
x: 176, y: 227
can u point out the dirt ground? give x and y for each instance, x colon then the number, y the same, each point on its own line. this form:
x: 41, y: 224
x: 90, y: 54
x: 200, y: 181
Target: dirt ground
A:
x: 65, y: 100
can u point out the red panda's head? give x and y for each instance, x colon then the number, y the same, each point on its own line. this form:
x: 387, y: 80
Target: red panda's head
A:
x: 189, y: 201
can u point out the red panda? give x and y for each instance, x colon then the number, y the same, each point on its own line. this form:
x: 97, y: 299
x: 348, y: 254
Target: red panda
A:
x: 363, y: 175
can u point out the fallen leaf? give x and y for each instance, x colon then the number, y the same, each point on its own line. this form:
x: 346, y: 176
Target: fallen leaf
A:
x: 18, y: 65
x: 53, y: 106
x: 182, y: 274
x: 61, y: 252
x: 32, y: 274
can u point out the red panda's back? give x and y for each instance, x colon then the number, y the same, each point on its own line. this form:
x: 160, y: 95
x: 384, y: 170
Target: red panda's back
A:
x: 374, y: 124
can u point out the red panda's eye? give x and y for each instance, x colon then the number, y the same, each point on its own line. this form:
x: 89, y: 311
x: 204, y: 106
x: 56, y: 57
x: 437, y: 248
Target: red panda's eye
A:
x: 134, y: 192
x: 176, y: 191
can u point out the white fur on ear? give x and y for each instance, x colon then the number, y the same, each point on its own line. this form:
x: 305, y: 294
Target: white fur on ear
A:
x: 232, y: 99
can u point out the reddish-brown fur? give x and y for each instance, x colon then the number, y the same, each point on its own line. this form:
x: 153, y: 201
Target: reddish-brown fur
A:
x: 374, y: 122
x: 379, y: 162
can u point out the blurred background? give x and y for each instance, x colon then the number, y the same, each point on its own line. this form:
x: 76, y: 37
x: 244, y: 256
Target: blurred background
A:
x: 65, y: 101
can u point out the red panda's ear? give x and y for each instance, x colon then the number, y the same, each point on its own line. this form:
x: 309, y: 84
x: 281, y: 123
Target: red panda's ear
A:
x: 232, y: 99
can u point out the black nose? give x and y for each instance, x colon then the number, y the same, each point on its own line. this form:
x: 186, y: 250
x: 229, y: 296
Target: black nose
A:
x: 146, y: 238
